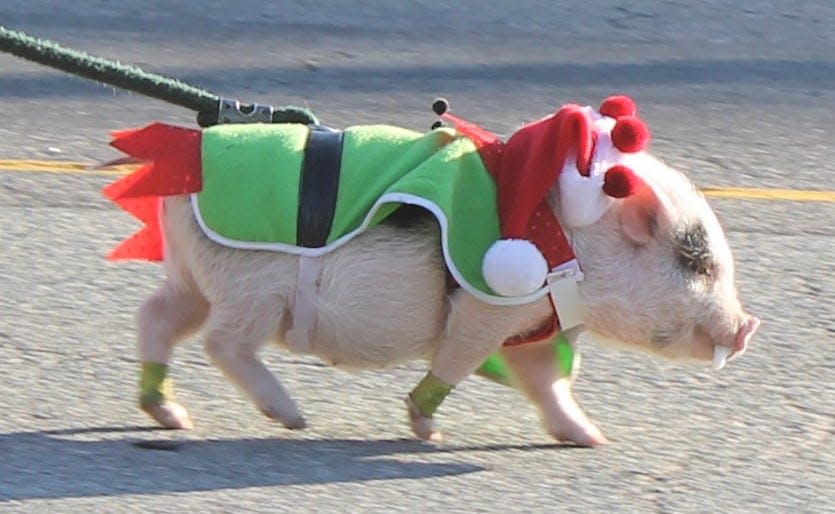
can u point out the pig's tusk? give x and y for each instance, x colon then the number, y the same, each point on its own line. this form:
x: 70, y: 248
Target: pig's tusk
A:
x: 720, y: 355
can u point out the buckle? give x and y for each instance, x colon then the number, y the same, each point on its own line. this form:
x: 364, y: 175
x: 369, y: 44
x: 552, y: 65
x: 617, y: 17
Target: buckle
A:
x: 562, y: 287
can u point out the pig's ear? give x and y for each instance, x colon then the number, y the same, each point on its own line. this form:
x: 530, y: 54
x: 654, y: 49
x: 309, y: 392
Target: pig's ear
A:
x: 644, y: 212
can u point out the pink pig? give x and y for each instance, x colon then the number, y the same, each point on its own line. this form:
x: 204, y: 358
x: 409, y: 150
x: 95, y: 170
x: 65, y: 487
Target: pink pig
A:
x: 657, y: 274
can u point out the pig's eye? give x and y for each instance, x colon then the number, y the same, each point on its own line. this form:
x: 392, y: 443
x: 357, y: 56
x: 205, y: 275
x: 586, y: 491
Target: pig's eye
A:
x: 693, y: 251
x: 704, y: 269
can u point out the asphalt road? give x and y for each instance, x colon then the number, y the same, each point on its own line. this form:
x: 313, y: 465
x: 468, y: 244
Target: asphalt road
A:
x: 737, y: 94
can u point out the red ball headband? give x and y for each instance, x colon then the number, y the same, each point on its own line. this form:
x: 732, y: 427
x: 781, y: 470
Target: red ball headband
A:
x: 629, y: 135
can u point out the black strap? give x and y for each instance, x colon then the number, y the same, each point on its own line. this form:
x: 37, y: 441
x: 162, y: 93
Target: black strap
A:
x: 318, y: 186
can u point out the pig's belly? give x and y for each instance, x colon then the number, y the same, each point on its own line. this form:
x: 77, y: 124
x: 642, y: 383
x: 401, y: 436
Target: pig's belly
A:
x: 384, y: 334
x: 381, y: 301
x: 381, y: 298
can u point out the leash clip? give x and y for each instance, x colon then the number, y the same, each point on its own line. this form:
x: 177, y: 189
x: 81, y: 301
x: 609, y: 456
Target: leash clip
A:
x: 232, y: 111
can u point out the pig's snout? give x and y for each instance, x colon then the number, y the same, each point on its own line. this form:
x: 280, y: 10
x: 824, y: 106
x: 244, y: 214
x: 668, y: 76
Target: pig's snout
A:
x: 721, y: 354
x: 746, y: 331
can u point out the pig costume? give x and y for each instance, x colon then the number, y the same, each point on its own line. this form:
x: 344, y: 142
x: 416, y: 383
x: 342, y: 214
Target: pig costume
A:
x: 501, y: 240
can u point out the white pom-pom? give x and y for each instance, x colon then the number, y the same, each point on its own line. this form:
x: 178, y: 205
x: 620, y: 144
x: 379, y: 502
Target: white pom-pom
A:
x: 514, y: 267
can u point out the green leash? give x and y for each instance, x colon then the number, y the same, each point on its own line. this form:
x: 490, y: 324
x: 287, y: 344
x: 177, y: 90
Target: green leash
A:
x: 211, y: 108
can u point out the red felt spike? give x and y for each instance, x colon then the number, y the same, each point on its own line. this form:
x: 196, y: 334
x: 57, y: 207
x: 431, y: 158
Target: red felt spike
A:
x: 119, y: 134
x: 145, y: 209
x: 152, y: 141
x: 124, y: 185
x: 630, y: 134
x: 620, y: 181
x: 617, y: 106
x: 145, y: 244
x: 176, y: 169
x: 126, y: 140
x: 172, y: 176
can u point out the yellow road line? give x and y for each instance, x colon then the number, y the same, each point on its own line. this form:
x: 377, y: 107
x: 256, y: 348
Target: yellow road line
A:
x: 25, y: 165
x: 748, y: 193
x: 739, y: 193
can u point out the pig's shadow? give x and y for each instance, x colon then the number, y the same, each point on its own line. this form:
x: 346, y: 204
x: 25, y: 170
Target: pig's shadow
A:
x: 67, y: 463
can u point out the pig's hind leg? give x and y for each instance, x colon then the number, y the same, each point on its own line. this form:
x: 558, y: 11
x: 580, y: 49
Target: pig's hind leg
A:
x: 536, y: 374
x: 171, y: 313
x: 234, y: 333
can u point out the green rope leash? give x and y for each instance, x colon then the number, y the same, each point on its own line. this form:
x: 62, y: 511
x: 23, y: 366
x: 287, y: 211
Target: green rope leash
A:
x: 212, y: 109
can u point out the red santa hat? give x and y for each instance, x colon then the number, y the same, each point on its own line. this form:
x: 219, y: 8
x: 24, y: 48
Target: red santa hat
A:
x: 578, y: 147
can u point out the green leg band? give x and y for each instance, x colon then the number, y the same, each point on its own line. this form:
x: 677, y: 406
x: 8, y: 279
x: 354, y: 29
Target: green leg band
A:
x: 567, y: 360
x: 495, y: 369
x: 155, y: 388
x: 567, y: 357
x: 429, y: 394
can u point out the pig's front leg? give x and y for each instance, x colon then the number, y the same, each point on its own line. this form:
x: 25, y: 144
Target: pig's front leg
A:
x: 537, y: 375
x: 474, y: 330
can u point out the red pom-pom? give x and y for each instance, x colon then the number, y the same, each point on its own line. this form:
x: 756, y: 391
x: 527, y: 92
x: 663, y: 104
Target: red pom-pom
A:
x: 620, y: 182
x: 630, y: 134
x: 617, y: 106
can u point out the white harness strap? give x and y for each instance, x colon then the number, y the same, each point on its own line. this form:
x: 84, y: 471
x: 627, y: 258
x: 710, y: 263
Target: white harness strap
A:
x: 305, y: 306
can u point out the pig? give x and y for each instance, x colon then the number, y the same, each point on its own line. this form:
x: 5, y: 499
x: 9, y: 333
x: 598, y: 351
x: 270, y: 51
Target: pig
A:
x: 658, y: 277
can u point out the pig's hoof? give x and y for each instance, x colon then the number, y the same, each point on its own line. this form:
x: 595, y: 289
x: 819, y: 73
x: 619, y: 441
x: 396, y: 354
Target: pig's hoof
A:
x: 295, y: 421
x: 422, y: 426
x: 581, y: 434
x: 169, y: 414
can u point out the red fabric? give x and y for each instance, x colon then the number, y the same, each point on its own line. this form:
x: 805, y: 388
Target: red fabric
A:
x: 175, y: 169
x: 630, y: 134
x: 546, y: 233
x: 175, y: 156
x: 620, y: 181
x: 526, y: 167
x: 488, y: 144
x: 147, y: 243
x: 617, y: 106
x: 546, y: 331
x: 532, y: 160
